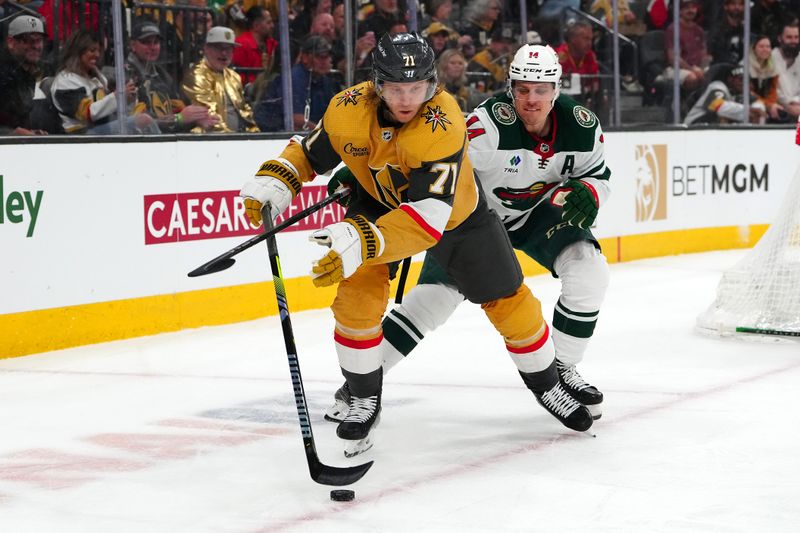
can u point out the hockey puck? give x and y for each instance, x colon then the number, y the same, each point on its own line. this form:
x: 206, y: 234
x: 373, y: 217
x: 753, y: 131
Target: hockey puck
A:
x: 343, y: 495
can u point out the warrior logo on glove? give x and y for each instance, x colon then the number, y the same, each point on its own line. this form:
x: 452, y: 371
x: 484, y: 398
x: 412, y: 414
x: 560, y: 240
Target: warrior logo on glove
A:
x: 352, y: 241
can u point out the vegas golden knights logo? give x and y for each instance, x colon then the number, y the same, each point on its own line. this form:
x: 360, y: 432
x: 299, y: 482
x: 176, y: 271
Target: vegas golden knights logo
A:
x: 390, y: 184
x: 651, y: 182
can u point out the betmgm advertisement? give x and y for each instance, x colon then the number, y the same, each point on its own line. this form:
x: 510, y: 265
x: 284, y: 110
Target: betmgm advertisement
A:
x: 667, y: 181
x: 84, y: 241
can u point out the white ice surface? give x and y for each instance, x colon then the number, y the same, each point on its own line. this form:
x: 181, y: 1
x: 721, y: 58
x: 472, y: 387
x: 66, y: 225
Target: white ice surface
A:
x: 197, y: 432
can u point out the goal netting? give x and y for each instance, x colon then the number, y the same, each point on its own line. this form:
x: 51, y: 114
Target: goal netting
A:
x: 761, y: 294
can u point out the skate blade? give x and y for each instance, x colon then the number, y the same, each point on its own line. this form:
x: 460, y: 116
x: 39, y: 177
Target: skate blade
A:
x: 595, y: 410
x: 357, y: 447
x: 337, y: 412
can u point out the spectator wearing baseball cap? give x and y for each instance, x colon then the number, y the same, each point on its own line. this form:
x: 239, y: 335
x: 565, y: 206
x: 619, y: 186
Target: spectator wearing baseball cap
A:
x: 312, y: 89
x: 20, y: 69
x: 440, y: 37
x: 213, y: 84
x: 155, y: 87
x: 721, y: 101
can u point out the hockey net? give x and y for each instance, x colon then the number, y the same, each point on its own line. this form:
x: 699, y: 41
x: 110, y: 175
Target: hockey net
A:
x: 761, y: 294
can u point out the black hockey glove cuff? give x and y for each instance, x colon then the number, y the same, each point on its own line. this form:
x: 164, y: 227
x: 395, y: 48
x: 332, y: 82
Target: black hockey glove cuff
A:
x: 343, y: 178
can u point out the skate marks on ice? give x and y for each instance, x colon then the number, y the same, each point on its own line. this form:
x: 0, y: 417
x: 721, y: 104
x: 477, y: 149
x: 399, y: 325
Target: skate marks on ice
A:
x: 697, y: 434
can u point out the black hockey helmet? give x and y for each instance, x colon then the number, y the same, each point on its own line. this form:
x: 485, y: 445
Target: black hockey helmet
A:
x: 403, y: 58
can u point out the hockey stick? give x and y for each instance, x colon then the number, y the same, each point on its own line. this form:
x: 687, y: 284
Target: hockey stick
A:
x: 401, y: 283
x: 321, y: 473
x: 225, y: 261
x: 766, y: 331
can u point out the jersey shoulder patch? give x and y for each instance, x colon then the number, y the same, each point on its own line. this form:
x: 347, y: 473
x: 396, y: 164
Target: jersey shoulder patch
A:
x: 577, y: 125
x: 350, y: 96
x: 503, y: 113
x: 350, y: 111
x: 584, y: 117
x: 500, y: 111
x: 437, y: 131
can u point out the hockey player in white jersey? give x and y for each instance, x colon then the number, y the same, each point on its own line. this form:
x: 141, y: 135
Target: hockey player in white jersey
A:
x: 539, y: 159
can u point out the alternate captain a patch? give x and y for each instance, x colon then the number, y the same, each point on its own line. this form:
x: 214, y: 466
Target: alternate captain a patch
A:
x: 350, y: 96
x: 584, y: 117
x: 436, y: 117
x: 504, y: 113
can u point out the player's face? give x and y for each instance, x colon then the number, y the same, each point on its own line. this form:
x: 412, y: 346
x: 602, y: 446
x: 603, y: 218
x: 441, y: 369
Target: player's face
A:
x: 404, y: 99
x: 533, y: 102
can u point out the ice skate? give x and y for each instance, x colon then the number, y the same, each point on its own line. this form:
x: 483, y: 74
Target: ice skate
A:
x: 341, y: 398
x: 583, y: 392
x: 358, y: 426
x: 565, y: 408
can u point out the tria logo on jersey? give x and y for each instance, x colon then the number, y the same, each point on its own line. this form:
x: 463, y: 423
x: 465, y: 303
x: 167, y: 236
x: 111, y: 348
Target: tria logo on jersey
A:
x: 650, y: 175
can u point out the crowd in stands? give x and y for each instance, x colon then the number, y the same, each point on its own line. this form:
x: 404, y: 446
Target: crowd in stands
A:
x: 216, y: 65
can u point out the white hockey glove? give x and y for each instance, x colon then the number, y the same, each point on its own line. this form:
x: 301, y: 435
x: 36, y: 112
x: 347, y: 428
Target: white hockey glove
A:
x: 276, y: 182
x: 352, y: 241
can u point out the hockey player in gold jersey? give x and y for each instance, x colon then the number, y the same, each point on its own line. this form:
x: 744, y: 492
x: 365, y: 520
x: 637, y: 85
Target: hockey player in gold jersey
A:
x: 405, y: 141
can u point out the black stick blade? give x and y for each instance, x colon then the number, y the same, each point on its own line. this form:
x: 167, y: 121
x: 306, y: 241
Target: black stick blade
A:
x: 337, y: 476
x: 213, y: 266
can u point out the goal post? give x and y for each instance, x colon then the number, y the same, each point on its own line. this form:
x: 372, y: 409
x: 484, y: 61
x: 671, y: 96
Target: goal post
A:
x: 761, y: 293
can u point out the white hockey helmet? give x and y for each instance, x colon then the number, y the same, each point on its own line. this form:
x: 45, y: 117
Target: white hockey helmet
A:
x: 535, y: 62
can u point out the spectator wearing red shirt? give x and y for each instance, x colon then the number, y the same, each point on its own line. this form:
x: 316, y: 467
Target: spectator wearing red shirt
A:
x: 577, y: 57
x: 257, y: 47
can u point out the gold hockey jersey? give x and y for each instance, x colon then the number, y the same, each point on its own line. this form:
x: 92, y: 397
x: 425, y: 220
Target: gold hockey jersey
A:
x: 419, y: 170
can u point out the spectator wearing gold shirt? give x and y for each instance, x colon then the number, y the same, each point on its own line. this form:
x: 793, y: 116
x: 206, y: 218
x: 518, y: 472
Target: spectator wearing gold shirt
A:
x: 212, y: 83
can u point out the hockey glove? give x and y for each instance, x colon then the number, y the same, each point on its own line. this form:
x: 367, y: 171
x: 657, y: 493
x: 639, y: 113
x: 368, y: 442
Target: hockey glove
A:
x: 579, y: 201
x: 352, y: 241
x: 343, y: 179
x: 277, y: 183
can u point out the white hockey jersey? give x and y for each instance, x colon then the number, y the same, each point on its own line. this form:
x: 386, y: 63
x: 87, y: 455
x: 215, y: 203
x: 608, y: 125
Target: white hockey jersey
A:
x: 516, y: 169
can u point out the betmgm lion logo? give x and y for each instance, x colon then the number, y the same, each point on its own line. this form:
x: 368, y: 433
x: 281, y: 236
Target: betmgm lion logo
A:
x: 650, y: 175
